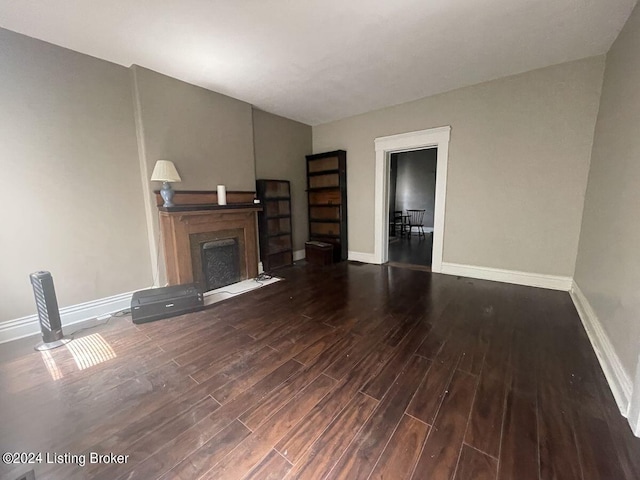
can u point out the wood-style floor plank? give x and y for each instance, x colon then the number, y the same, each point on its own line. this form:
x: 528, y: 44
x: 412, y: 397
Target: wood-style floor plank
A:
x: 556, y: 432
x: 360, y: 458
x: 258, y: 413
x: 250, y: 452
x: 596, y: 449
x: 148, y: 444
x: 323, y: 454
x: 379, y: 384
x: 346, y: 371
x: 519, y: 454
x: 431, y: 392
x: 294, y: 444
x: 181, y: 446
x: 215, y: 449
x: 442, y: 448
x: 484, y: 431
x: 401, y: 454
x: 273, y: 467
x: 475, y: 465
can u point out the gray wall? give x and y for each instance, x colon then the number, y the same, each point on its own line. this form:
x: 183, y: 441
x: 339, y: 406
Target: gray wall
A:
x: 518, y: 162
x: 79, y: 138
x: 608, y: 265
x: 207, y: 135
x: 416, y: 182
x: 280, y: 148
x: 72, y: 201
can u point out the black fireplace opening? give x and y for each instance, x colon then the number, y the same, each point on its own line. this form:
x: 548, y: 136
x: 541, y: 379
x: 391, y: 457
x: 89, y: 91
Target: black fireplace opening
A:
x: 220, y: 262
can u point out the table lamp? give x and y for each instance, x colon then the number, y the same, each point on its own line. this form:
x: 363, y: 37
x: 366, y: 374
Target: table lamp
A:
x: 165, y: 172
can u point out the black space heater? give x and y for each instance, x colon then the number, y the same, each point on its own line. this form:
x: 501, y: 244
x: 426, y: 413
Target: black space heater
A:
x: 48, y: 312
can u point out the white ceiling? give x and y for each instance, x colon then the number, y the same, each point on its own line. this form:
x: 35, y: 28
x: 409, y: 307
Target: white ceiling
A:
x: 321, y: 60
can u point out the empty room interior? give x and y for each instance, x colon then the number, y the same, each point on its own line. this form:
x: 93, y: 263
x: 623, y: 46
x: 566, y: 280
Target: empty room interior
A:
x: 320, y: 240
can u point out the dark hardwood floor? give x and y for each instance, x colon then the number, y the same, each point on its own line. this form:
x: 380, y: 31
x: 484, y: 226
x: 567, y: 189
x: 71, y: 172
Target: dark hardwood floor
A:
x: 349, y: 371
x: 412, y: 250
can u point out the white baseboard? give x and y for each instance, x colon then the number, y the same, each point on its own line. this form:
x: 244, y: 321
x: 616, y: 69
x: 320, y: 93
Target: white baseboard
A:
x: 298, y: 255
x: 26, y: 326
x: 618, y: 379
x: 361, y: 257
x: 552, y: 282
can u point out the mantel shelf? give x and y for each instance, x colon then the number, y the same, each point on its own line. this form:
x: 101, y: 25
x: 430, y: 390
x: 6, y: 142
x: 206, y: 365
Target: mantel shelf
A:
x: 200, y: 207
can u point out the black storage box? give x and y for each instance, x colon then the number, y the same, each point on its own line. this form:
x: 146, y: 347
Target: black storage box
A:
x: 318, y: 253
x: 157, y: 303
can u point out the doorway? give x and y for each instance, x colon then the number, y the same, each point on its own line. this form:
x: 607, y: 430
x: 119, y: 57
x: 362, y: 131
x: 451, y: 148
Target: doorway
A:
x: 437, y: 138
x: 412, y: 191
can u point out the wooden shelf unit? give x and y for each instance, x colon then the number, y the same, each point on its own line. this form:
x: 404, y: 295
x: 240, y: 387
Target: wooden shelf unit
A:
x: 274, y: 224
x: 327, y: 195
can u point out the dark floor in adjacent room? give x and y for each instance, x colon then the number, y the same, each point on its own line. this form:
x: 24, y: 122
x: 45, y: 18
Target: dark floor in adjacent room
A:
x: 348, y: 371
x: 411, y: 249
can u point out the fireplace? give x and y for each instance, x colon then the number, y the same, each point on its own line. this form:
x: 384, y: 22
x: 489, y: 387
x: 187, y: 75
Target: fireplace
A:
x: 210, y: 244
x: 220, y: 263
x: 217, y: 257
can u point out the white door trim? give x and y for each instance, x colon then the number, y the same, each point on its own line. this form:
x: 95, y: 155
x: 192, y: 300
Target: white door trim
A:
x: 633, y: 416
x: 385, y: 146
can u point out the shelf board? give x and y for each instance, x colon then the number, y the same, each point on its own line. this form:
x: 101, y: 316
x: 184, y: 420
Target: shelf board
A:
x: 325, y: 235
x: 324, y: 172
x: 279, y: 250
x: 280, y: 265
x: 324, y: 220
x: 320, y: 189
x: 276, y: 199
x: 272, y: 235
x: 269, y: 217
x: 317, y: 156
x: 325, y: 204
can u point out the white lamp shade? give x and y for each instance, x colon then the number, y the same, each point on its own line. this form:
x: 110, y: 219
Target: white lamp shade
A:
x: 165, y: 171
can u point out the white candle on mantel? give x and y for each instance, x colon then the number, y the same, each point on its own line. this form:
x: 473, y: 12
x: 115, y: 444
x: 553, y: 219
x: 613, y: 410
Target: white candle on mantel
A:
x: 222, y: 195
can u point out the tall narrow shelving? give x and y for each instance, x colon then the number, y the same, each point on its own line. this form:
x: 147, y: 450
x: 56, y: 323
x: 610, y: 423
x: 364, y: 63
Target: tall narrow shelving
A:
x: 274, y: 223
x: 327, y: 194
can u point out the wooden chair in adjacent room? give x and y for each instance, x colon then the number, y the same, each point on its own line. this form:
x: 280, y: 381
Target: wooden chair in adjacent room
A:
x: 415, y: 220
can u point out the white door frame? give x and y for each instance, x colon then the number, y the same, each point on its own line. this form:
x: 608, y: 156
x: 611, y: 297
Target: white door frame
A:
x: 633, y: 411
x: 385, y: 146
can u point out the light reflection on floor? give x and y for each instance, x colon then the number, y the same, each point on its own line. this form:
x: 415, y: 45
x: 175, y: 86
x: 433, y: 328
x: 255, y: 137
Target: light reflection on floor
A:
x: 87, y: 352
x: 50, y: 363
x: 90, y: 350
